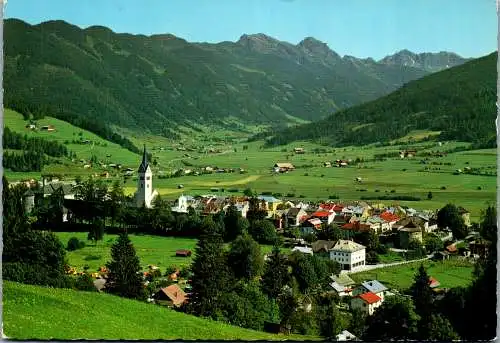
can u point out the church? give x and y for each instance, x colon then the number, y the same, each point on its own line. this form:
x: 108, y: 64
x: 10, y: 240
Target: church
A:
x: 145, y: 194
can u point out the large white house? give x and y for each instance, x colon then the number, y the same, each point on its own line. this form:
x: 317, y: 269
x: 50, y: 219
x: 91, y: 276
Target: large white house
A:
x: 145, y: 194
x: 350, y: 255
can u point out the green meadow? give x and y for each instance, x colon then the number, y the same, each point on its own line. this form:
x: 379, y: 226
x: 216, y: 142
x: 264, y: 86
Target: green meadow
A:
x: 309, y: 181
x: 48, y: 313
x: 152, y: 250
x: 450, y: 273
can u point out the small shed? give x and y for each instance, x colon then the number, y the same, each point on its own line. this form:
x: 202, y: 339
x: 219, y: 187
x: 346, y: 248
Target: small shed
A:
x: 183, y: 253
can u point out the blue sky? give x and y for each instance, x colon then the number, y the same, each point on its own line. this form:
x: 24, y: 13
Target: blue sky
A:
x: 362, y: 28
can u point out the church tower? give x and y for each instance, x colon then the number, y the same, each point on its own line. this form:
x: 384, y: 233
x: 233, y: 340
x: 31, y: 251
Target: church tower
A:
x: 144, y: 195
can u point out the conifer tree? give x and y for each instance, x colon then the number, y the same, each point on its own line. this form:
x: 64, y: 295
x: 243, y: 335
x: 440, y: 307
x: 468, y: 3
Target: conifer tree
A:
x: 125, y: 278
x: 276, y: 274
x: 210, y: 274
x: 245, y: 258
x: 423, y: 301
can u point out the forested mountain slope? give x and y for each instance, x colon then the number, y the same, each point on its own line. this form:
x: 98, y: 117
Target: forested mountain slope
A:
x: 459, y: 102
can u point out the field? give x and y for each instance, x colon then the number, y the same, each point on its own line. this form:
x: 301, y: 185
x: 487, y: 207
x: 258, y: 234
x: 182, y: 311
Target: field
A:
x: 159, y: 251
x: 310, y: 181
x: 31, y: 312
x: 450, y: 273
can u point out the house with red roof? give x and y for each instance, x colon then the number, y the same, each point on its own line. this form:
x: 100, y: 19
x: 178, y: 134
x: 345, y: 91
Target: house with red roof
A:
x: 366, y: 302
x: 433, y: 283
x: 356, y: 226
x: 389, y: 218
x: 325, y: 216
x: 326, y: 207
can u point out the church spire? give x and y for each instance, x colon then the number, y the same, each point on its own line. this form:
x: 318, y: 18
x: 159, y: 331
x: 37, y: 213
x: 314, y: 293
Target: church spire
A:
x: 144, y: 164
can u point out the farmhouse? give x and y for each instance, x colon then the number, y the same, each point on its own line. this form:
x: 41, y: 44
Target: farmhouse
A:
x: 172, y: 296
x: 348, y: 254
x: 366, y: 302
x: 299, y: 150
x: 283, y: 167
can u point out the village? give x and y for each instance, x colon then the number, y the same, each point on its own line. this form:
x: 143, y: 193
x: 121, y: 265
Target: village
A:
x: 301, y: 225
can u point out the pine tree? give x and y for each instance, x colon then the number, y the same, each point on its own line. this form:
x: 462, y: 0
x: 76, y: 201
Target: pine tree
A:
x: 423, y: 301
x: 125, y: 278
x: 210, y: 274
x: 245, y: 258
x: 276, y: 274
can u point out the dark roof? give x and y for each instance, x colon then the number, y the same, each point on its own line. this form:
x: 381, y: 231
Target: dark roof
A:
x: 29, y: 193
x: 293, y: 212
x: 144, y: 164
x: 51, y: 187
x: 322, y: 245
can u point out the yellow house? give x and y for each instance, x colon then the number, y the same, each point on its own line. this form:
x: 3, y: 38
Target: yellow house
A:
x: 271, y: 204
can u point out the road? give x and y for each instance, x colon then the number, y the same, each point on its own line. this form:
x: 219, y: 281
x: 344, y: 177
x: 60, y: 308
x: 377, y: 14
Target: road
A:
x: 382, y: 265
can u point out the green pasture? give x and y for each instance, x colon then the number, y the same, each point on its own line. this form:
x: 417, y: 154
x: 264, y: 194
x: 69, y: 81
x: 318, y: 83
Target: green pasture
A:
x: 450, y: 273
x: 310, y: 181
x: 33, y: 312
x: 155, y: 250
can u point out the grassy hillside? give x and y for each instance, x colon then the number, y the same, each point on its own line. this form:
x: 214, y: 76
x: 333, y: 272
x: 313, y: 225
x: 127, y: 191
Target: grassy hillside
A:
x: 95, y: 77
x: 159, y: 251
x: 450, y: 273
x: 459, y: 102
x: 31, y: 312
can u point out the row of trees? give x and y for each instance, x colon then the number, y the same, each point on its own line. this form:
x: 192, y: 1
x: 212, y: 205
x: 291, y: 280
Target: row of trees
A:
x: 36, y: 152
x: 239, y: 287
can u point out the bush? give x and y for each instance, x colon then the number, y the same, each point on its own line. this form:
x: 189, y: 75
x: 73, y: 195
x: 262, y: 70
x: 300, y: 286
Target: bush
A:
x: 85, y: 283
x: 333, y: 197
x: 35, y: 275
x: 372, y: 257
x: 74, y: 244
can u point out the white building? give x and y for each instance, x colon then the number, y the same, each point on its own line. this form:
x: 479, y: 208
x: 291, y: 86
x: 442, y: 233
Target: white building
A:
x: 366, y: 302
x: 183, y: 204
x: 145, y: 194
x: 350, y: 255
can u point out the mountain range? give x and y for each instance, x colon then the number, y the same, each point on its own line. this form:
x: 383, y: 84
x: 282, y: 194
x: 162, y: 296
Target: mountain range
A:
x: 95, y: 77
x: 458, y: 103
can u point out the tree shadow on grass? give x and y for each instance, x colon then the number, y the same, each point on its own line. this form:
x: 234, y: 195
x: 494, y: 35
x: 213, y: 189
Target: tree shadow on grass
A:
x: 92, y: 257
